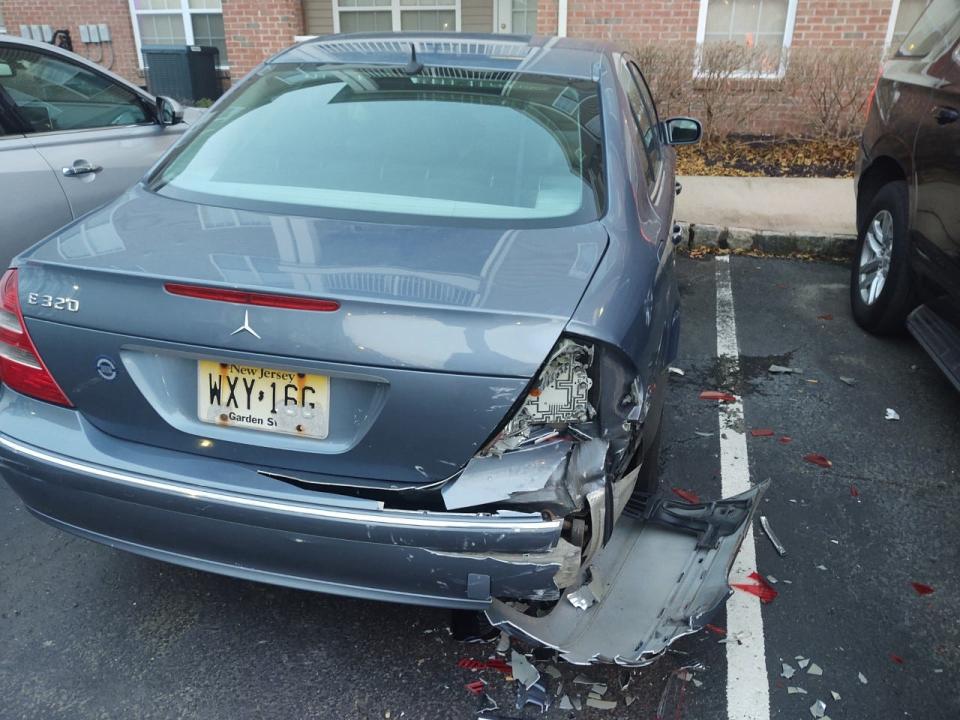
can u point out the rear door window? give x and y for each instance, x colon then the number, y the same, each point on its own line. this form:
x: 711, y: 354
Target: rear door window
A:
x: 50, y: 94
x: 645, y: 117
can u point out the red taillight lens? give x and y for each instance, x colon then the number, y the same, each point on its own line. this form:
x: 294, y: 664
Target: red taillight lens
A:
x: 290, y: 302
x: 873, y: 93
x: 20, y: 365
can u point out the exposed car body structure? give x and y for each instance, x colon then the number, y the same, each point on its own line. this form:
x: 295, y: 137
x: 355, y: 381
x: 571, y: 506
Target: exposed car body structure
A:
x: 907, y: 266
x: 487, y: 381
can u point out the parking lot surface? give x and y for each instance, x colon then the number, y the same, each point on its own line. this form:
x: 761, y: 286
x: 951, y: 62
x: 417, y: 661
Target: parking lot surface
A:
x: 89, y: 632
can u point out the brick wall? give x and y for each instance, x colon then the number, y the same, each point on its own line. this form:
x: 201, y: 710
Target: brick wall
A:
x: 256, y: 29
x: 636, y: 23
x: 70, y: 14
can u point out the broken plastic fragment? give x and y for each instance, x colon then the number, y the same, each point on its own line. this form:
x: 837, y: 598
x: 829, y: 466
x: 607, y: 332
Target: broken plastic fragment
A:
x: 703, y: 434
x: 862, y: 677
x: 476, y: 687
x: 922, y: 588
x: 854, y: 491
x: 821, y: 567
x: 794, y: 690
x: 772, y: 580
x: 599, y: 688
x: 788, y: 671
x: 825, y: 316
x: 676, y: 371
x: 628, y: 700
x: 818, y: 459
x: 687, y: 495
x: 803, y: 662
x: 771, y: 536
x: 535, y: 695
x: 565, y: 703
x: 715, y: 629
x: 835, y: 694
x: 848, y: 380
x: 601, y: 704
x: 503, y: 644
x: 814, y: 669
x: 717, y: 395
x: 582, y: 680
x: 525, y: 673
x: 783, y: 370
x: 896, y: 658
x: 761, y: 432
x: 582, y: 598
x: 785, y: 440
x: 761, y: 588
x: 818, y: 709
x: 891, y: 414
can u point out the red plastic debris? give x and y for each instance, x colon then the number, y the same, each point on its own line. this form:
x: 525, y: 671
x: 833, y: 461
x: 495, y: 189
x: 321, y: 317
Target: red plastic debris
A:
x: 762, y: 432
x: 818, y: 459
x: 717, y: 395
x: 498, y: 664
x: 785, y: 440
x: 854, y: 492
x: 896, y: 658
x: 491, y: 664
x: 716, y: 629
x: 687, y: 495
x: 471, y: 664
x: 762, y: 589
x: 922, y: 588
x: 825, y: 316
x: 477, y: 687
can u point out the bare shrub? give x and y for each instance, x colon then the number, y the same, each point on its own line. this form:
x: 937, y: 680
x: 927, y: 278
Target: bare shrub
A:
x: 732, y: 84
x: 828, y: 88
x: 668, y: 68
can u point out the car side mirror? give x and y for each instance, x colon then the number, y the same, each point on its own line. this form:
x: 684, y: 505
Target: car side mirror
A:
x: 6, y: 70
x: 683, y: 131
x: 169, y: 111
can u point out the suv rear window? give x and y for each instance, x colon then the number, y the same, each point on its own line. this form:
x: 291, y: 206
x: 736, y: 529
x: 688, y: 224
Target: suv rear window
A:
x: 445, y: 143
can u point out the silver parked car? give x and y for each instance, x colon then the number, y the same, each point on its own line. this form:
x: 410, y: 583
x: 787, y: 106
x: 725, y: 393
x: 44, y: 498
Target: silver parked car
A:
x: 73, y: 136
x: 393, y: 321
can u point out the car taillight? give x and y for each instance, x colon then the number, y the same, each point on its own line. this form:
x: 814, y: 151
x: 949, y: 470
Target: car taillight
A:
x: 20, y: 365
x: 872, y: 94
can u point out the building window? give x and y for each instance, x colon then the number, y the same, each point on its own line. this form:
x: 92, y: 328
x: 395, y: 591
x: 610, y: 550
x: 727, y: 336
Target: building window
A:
x: 903, y: 15
x: 752, y: 35
x: 396, y: 15
x: 179, y: 22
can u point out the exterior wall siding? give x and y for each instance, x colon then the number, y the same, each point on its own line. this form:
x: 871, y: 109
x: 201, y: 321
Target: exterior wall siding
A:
x: 318, y: 17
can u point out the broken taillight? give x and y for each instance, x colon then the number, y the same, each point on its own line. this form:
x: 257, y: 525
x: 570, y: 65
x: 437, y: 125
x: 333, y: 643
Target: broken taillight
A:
x: 21, y: 368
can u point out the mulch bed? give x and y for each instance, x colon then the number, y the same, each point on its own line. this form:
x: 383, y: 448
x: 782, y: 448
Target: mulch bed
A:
x: 751, y: 157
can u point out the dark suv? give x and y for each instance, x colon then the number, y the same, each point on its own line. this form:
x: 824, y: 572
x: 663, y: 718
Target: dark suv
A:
x: 907, y: 265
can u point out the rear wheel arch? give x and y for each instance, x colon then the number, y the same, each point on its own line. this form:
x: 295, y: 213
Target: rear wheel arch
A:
x: 882, y: 171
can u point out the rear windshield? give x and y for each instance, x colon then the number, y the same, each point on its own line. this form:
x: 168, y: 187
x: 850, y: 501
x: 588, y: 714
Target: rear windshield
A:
x: 365, y: 141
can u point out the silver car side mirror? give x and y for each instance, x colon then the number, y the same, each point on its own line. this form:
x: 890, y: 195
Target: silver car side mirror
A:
x: 169, y: 111
x: 683, y: 131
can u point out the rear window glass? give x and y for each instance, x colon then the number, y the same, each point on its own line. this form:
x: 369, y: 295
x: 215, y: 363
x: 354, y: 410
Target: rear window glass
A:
x: 930, y: 28
x: 445, y: 143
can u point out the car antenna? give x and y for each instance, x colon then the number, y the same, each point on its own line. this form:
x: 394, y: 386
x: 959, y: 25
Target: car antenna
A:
x: 414, y: 67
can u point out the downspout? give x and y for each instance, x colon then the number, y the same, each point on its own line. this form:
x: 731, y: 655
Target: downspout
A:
x: 561, y: 18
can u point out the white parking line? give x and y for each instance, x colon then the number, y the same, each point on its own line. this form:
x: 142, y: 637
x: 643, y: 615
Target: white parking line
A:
x: 748, y: 690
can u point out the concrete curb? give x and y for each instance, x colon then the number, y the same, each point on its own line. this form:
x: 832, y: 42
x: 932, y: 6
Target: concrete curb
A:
x: 770, y: 242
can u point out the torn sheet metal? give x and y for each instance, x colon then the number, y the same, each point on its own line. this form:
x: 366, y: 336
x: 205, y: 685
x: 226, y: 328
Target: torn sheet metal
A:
x: 663, y: 577
x: 772, y: 536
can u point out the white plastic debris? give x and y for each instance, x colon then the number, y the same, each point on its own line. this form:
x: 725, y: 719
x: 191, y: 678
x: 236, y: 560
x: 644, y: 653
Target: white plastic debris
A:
x: 582, y: 680
x: 818, y: 709
x: 601, y: 704
x: 703, y: 434
x: 676, y: 371
x: 565, y: 703
x: 814, y: 669
x: 821, y: 567
x: 835, y: 695
x: 802, y: 662
x: 697, y: 683
x: 892, y: 414
x: 628, y: 700
x: 599, y: 689
x: 522, y: 670
x: 788, y: 671
x: 503, y: 644
x: 782, y: 370
x: 771, y: 579
x: 848, y: 380
x: 794, y: 690
x: 863, y: 678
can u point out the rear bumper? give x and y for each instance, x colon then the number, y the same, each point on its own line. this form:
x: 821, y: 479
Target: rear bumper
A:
x: 224, y: 517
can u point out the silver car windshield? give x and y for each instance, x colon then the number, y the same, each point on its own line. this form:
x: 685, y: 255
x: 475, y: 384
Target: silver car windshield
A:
x: 443, y: 143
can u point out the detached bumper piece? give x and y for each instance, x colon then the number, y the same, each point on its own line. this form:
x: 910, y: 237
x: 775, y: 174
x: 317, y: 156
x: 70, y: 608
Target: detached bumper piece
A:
x: 658, y: 578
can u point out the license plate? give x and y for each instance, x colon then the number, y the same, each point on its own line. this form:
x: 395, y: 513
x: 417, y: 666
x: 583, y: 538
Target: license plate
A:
x: 267, y: 399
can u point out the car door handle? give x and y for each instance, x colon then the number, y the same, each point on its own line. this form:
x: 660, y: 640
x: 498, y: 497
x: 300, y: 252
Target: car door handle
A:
x: 945, y: 115
x: 81, y: 167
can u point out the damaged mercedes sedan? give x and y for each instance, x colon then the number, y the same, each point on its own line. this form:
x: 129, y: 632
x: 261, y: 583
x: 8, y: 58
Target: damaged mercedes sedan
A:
x: 393, y: 321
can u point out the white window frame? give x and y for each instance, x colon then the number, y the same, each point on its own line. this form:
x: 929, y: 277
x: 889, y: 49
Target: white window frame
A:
x: 186, y: 17
x: 784, y: 53
x: 394, y: 8
x: 892, y: 25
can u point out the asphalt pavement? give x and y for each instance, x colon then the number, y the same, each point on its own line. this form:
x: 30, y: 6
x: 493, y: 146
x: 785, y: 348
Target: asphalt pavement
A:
x: 89, y: 632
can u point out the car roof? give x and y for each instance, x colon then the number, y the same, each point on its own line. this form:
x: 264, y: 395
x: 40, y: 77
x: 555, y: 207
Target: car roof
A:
x: 72, y: 57
x: 568, y: 57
